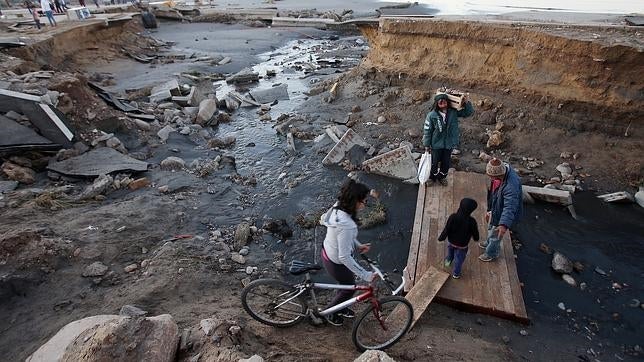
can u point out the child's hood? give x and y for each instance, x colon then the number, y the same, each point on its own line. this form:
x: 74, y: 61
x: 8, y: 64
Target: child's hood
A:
x: 467, y: 207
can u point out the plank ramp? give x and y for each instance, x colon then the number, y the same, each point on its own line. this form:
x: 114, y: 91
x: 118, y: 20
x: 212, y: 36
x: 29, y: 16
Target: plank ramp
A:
x: 491, y: 288
x: 422, y: 294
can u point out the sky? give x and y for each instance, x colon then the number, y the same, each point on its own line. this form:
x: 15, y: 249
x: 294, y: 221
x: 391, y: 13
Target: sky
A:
x: 474, y: 7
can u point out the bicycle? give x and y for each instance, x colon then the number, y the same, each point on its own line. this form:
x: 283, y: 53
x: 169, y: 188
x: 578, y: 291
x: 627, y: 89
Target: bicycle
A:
x: 280, y: 304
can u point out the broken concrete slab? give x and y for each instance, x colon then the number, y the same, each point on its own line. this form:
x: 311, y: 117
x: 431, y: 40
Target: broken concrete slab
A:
x: 47, y: 119
x: 243, y: 76
x: 560, y: 197
x: 622, y: 197
x: 171, y: 86
x: 398, y: 163
x: 245, y: 101
x: 290, y: 143
x: 270, y: 95
x: 345, y: 143
x: 100, y: 161
x: 14, y: 137
x: 193, y: 98
x: 336, y: 132
x: 318, y: 23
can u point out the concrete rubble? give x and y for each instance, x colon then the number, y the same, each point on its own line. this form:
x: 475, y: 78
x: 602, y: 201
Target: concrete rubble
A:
x: 100, y: 161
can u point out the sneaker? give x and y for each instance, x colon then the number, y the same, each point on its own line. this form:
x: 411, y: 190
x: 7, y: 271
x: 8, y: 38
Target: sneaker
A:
x: 456, y: 276
x: 443, y: 182
x: 485, y: 257
x: 334, y: 319
x: 482, y: 245
x: 347, y: 313
x: 447, y: 263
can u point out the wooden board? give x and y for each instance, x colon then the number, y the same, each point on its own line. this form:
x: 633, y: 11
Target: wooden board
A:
x: 424, y: 291
x: 492, y: 287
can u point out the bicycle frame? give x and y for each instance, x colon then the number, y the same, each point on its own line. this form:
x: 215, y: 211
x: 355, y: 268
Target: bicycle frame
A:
x: 307, y: 285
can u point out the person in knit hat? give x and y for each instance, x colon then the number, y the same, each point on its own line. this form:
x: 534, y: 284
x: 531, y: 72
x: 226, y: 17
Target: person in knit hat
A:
x: 441, y: 134
x: 504, y: 206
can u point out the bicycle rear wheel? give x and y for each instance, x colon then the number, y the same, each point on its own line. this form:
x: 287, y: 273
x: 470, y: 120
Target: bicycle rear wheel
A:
x: 379, y: 328
x: 273, y: 302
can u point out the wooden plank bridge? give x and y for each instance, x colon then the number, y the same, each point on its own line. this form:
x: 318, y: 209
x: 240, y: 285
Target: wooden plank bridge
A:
x: 491, y: 288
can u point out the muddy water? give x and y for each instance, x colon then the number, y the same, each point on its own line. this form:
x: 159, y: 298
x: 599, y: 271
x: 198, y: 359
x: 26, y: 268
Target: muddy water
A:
x: 606, y: 236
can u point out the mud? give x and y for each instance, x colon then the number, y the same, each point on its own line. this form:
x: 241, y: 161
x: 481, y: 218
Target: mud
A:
x: 179, y: 238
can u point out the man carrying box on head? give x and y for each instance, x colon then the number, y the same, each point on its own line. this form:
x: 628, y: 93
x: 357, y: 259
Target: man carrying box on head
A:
x: 441, y: 134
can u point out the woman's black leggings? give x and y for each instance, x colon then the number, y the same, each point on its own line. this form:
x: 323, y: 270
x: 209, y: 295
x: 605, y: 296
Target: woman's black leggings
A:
x: 343, y: 275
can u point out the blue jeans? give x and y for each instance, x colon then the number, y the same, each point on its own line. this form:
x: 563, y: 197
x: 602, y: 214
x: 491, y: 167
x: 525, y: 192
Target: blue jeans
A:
x: 458, y: 256
x: 493, y: 242
x: 50, y: 17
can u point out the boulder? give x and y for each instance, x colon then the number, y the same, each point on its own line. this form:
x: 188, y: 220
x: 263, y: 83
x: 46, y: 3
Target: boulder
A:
x: 54, y: 349
x: 98, y: 187
x: 131, y: 311
x: 221, y: 142
x: 561, y: 264
x: 374, y: 356
x: 127, y: 339
x: 173, y: 163
x: 96, y: 269
x: 207, y: 109
x: 495, y: 140
x: 164, y: 133
x: 21, y: 174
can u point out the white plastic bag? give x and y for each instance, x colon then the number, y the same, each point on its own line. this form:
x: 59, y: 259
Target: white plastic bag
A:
x: 424, y: 168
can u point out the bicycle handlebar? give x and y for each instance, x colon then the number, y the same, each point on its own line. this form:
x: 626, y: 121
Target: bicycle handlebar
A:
x: 383, y: 276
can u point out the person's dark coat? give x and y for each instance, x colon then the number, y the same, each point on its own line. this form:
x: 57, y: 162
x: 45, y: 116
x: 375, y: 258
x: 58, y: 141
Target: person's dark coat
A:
x: 461, y: 226
x: 444, y: 134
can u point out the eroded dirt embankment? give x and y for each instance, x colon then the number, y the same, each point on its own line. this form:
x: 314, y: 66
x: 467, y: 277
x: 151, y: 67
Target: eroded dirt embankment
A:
x: 580, y: 65
x: 84, y: 43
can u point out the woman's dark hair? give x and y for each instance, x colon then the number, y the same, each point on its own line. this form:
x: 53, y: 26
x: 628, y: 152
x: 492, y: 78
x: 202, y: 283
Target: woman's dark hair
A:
x: 350, y: 194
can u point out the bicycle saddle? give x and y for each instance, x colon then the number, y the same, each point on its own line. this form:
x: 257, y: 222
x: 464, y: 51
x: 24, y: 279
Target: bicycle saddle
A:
x: 299, y: 267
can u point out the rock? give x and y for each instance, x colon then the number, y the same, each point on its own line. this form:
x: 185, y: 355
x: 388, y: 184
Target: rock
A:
x: 634, y: 303
x: 582, y: 286
x: 564, y: 169
x: 132, y: 311
x: 414, y: 132
x: 251, y: 269
x: 381, y: 119
x: 569, y: 279
x: 484, y: 157
x: 21, y: 174
x: 561, y: 264
x: 208, y: 325
x: 374, y: 356
x: 185, y: 130
x: 54, y: 348
x: 148, y: 339
x: 100, y: 185
x: 237, y: 258
x: 142, y: 125
x: 130, y: 268
x: 506, y: 339
x: 139, y: 183
x: 565, y: 154
x: 523, y: 332
x: 164, y: 133
x: 600, y: 271
x: 561, y: 306
x: 222, y: 142
x: 356, y: 109
x: 545, y: 248
x: 242, y: 235
x: 244, y: 251
x: 173, y: 163
x: 96, y: 269
x: 495, y: 139
x: 207, y: 109
x: 487, y: 117
x: 253, y: 358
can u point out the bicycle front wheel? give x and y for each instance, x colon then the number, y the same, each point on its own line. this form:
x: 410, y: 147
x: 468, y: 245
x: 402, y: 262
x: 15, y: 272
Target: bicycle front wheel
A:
x: 273, y: 302
x: 380, y: 327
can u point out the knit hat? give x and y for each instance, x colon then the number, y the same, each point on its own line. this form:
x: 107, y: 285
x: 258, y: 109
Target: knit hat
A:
x: 495, y: 168
x: 440, y: 96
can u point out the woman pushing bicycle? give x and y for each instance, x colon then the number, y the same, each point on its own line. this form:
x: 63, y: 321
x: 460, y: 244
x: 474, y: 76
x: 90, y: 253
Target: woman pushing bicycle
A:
x: 342, y: 240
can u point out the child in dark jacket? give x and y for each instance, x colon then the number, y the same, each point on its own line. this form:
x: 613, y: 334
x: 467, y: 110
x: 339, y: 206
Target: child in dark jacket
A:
x: 460, y: 228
